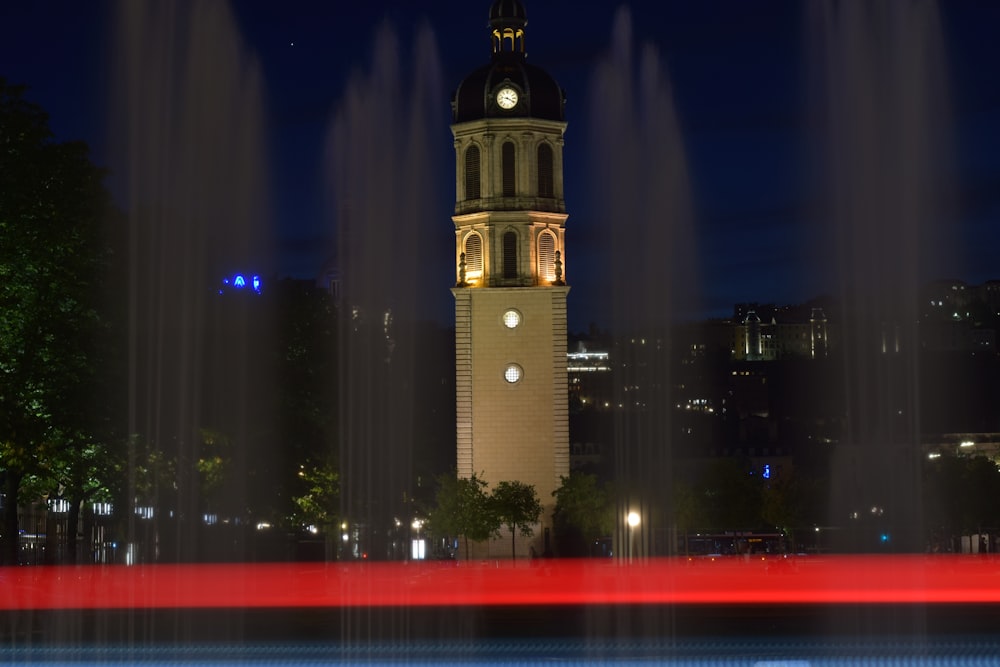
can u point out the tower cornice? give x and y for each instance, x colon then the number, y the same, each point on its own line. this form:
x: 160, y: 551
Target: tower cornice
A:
x: 488, y: 217
x: 484, y: 127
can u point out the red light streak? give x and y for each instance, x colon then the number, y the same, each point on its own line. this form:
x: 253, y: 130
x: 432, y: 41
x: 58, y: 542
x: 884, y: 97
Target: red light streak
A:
x: 807, y: 580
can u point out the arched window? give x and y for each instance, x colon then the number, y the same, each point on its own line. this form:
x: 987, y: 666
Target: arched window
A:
x: 472, y: 172
x: 546, y: 257
x: 507, y: 169
x: 473, y: 257
x: 546, y: 187
x: 509, y: 255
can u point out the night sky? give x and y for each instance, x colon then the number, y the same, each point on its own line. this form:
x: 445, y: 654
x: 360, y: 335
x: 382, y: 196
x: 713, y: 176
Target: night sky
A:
x: 739, y: 73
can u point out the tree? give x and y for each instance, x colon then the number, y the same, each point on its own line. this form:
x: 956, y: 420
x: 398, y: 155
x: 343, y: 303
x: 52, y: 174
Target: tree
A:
x: 214, y: 465
x: 583, y: 508
x: 961, y: 495
x: 730, y: 497
x: 463, y: 509
x: 688, y: 512
x: 319, y: 499
x: 318, y: 502
x: 781, y: 506
x: 52, y: 260
x: 70, y: 473
x: 306, y: 373
x: 792, y: 502
x: 516, y: 506
x: 145, y: 485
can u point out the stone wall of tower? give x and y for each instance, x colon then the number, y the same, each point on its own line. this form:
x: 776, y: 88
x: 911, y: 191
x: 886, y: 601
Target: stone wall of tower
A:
x: 490, y: 135
x: 463, y: 381
x: 513, y: 431
x: 515, y: 425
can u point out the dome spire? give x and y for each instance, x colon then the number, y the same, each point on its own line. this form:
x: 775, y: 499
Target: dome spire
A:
x: 507, y: 23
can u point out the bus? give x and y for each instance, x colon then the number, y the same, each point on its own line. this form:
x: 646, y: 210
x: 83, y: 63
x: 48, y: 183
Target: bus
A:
x: 733, y: 543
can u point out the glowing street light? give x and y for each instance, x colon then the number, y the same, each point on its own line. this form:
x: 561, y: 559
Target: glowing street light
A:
x: 633, y: 520
x: 418, y: 547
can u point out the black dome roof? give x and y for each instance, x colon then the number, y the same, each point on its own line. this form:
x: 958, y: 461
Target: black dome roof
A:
x: 540, y: 95
x: 507, y: 11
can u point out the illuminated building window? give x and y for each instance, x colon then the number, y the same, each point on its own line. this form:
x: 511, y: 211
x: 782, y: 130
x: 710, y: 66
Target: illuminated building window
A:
x: 546, y: 186
x: 507, y: 169
x: 513, y: 373
x: 509, y: 255
x: 473, y: 256
x: 472, y: 172
x: 546, y: 257
x: 511, y: 319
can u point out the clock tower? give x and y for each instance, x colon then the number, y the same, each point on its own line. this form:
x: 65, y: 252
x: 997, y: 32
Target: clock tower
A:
x: 510, y: 273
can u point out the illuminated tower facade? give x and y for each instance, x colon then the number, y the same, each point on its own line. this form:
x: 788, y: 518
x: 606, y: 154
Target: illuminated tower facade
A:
x: 510, y: 268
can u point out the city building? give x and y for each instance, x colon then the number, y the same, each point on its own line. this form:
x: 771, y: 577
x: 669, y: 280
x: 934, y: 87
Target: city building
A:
x: 510, y: 290
x: 769, y: 332
x: 958, y: 317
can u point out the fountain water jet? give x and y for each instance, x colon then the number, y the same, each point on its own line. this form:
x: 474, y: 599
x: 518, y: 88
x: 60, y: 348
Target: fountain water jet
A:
x: 189, y: 125
x: 887, y: 140
x: 640, y: 184
x: 382, y: 159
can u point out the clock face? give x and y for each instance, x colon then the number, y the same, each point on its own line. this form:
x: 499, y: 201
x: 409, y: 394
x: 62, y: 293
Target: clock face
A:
x: 507, y: 98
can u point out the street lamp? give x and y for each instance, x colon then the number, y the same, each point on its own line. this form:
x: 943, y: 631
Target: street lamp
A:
x: 417, y: 548
x: 633, y: 520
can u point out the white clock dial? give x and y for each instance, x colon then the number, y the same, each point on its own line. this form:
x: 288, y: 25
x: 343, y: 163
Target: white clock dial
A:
x: 507, y: 98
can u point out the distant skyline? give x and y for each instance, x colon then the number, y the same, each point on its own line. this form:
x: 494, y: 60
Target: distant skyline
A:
x: 739, y: 74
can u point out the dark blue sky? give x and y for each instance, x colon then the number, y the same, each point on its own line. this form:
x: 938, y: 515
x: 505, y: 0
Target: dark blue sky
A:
x: 738, y: 71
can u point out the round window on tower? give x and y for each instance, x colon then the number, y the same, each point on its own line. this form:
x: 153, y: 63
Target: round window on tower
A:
x: 513, y: 373
x: 511, y: 319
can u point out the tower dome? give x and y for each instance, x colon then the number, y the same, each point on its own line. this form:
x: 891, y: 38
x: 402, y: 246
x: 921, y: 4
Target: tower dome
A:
x: 530, y: 90
x: 504, y: 13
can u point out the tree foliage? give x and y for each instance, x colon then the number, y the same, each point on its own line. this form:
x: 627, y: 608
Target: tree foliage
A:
x: 688, y: 511
x: 516, y: 505
x: 52, y: 260
x: 318, y: 500
x: 214, y: 465
x: 790, y: 503
x: 306, y: 373
x: 584, y: 510
x: 730, y: 498
x: 463, y: 508
x: 961, y: 494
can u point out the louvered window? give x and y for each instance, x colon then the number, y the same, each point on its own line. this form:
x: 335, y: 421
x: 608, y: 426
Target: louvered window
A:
x: 546, y: 257
x: 507, y: 160
x: 510, y: 255
x: 472, y: 173
x: 473, y: 257
x: 546, y: 187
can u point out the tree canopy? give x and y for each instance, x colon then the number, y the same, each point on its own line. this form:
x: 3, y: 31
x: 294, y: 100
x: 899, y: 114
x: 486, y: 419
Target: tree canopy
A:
x: 516, y: 506
x: 961, y: 494
x: 53, y: 256
x: 463, y: 509
x: 584, y: 510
